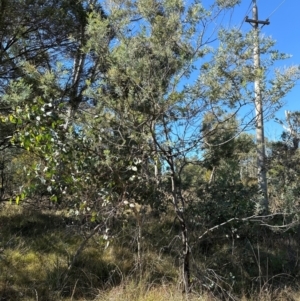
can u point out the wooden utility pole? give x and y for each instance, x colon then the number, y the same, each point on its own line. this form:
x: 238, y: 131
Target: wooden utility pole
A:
x: 259, y: 121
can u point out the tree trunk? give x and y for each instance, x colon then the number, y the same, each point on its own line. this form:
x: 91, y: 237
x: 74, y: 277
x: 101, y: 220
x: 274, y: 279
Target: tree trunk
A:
x: 185, y: 266
x: 186, y: 259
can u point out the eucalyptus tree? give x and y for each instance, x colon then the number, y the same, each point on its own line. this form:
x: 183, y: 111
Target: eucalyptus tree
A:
x: 291, y: 127
x: 283, y: 165
x: 49, y: 36
x: 43, y: 67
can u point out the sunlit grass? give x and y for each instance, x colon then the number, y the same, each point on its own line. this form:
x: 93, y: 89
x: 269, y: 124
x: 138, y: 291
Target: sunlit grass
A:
x: 132, y: 292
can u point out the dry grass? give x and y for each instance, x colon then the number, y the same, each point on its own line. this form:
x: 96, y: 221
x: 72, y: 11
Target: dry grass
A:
x: 142, y: 292
x: 36, y: 249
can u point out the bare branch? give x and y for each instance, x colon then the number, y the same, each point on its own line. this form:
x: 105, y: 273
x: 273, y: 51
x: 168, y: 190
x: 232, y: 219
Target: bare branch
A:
x: 253, y: 218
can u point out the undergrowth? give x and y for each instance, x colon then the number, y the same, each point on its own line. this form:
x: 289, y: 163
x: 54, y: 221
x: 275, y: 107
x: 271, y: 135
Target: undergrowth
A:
x: 42, y: 257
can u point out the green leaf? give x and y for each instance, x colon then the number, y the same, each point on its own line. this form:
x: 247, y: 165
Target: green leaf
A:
x: 93, y: 218
x: 53, y: 198
x: 12, y: 119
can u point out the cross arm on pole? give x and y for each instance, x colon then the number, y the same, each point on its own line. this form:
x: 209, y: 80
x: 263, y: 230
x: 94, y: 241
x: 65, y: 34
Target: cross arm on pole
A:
x: 266, y: 22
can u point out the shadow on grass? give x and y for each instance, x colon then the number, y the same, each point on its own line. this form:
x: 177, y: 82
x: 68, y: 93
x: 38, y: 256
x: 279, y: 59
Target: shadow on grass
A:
x: 36, y: 250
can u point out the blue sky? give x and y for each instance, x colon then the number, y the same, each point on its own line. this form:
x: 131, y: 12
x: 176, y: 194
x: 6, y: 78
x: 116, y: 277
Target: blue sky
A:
x: 285, y: 29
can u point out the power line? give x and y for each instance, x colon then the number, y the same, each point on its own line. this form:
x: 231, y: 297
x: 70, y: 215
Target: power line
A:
x: 247, y: 12
x: 276, y: 9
